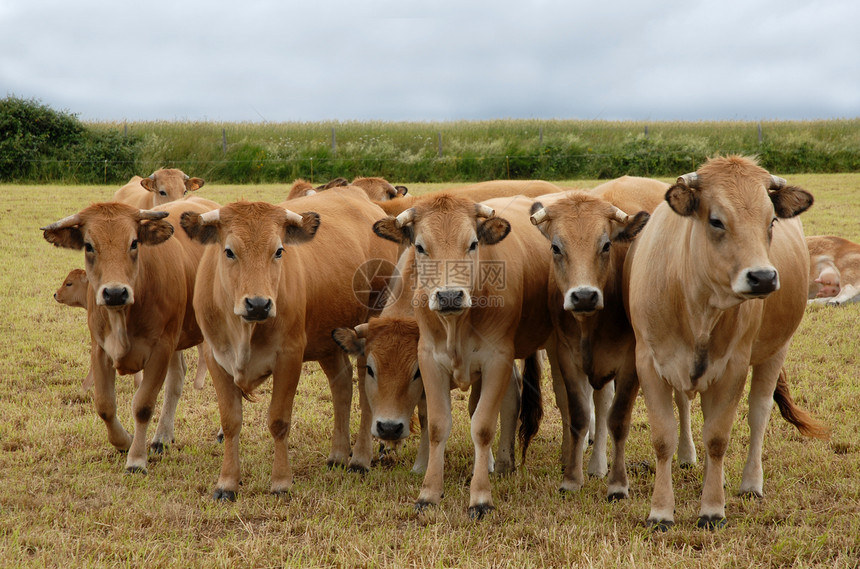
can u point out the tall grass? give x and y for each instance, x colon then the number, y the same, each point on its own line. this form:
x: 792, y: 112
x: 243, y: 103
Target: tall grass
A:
x: 65, y: 501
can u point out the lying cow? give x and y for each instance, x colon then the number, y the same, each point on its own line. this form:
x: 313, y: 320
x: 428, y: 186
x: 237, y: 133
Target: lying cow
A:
x: 161, y: 187
x: 272, y: 286
x: 377, y: 189
x: 834, y: 271
x: 482, y: 305
x: 139, y: 311
x: 714, y: 284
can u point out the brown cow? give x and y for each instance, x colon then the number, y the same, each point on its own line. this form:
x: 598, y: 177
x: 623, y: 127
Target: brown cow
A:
x: 272, y: 286
x: 714, y: 284
x: 139, y: 311
x: 393, y: 380
x: 161, y: 187
x: 834, y: 272
x: 589, y: 233
x: 480, y: 302
x: 377, y: 189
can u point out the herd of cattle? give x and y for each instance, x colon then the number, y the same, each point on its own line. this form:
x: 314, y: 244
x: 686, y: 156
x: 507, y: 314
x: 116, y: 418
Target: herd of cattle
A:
x: 675, y: 289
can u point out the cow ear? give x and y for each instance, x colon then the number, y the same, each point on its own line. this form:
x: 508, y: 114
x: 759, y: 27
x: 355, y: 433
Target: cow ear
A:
x: 493, y: 230
x: 387, y: 229
x: 154, y: 232
x: 148, y: 184
x: 631, y: 229
x: 349, y: 341
x: 194, y: 184
x: 296, y: 232
x: 67, y: 237
x: 790, y: 201
x: 197, y: 229
x: 682, y: 199
x: 401, y: 190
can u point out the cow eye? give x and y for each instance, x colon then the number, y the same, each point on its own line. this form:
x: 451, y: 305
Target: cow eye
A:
x: 134, y: 244
x: 279, y: 253
x: 162, y: 193
x: 417, y: 374
x: 420, y: 250
x: 716, y: 223
x: 606, y: 246
x: 556, y: 250
x: 229, y: 252
x: 88, y: 247
x: 473, y: 246
x: 68, y: 284
x: 370, y: 372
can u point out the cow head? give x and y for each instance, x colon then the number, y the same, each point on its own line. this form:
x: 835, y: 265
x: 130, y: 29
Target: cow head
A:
x: 733, y: 204
x: 73, y: 291
x: 252, y: 237
x: 111, y: 235
x: 392, y: 381
x: 447, y: 232
x: 379, y: 189
x: 169, y: 185
x: 588, y: 237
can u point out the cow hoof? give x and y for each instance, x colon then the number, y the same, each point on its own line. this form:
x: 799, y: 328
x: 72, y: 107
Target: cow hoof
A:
x: 221, y: 495
x: 135, y: 470
x: 157, y: 448
x: 357, y: 468
x: 477, y: 513
x: 421, y: 506
x: 332, y: 464
x: 750, y: 495
x: 616, y: 497
x: 220, y: 437
x: 660, y: 525
x: 280, y: 494
x: 711, y: 522
x: 686, y: 465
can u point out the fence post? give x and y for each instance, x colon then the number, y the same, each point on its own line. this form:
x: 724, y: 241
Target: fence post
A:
x: 759, y: 133
x: 223, y: 141
x: 333, y: 142
x: 508, y: 166
x: 540, y: 138
x: 125, y: 130
x: 646, y: 131
x: 106, y: 171
x: 312, y: 169
x: 440, y: 144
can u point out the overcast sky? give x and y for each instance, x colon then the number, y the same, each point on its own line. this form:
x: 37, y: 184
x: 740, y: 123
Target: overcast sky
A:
x: 270, y: 60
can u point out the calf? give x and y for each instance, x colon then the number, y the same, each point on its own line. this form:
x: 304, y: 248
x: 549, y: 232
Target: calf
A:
x: 834, y: 271
x: 161, y: 187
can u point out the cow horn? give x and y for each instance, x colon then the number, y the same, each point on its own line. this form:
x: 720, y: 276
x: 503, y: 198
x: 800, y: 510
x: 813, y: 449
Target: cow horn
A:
x: 619, y: 215
x: 152, y: 214
x: 538, y: 217
x: 361, y: 330
x: 483, y: 210
x: 776, y: 182
x: 69, y: 221
x: 152, y: 176
x: 405, y: 218
x: 294, y: 218
x: 690, y: 180
x: 209, y: 217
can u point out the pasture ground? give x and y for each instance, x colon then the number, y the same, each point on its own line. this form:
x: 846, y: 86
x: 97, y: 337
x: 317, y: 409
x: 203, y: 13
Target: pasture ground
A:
x: 66, y: 501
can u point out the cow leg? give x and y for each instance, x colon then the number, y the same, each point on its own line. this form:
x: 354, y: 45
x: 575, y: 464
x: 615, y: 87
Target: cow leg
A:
x: 602, y: 398
x: 363, y: 449
x: 686, y: 447
x: 200, y: 376
x: 338, y: 370
x: 495, y: 382
x: 104, y: 397
x: 719, y: 406
x: 285, y: 380
x: 560, y: 391
x: 438, y: 395
x: 762, y: 385
x: 508, y: 422
x: 664, y: 439
x: 626, y: 389
x: 474, y: 397
x: 230, y: 414
x: 142, y: 405
x: 576, y: 386
x: 420, y: 465
x: 172, y: 393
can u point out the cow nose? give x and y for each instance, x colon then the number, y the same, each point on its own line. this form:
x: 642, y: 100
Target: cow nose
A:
x: 762, y: 281
x: 389, y: 430
x: 450, y: 299
x: 584, y: 299
x: 115, y: 296
x: 257, y: 308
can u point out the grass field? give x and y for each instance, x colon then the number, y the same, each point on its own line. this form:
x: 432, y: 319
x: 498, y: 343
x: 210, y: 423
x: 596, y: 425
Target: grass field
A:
x: 66, y: 501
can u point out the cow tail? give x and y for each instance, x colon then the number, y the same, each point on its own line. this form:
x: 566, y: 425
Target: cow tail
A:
x: 531, y: 409
x: 805, y: 423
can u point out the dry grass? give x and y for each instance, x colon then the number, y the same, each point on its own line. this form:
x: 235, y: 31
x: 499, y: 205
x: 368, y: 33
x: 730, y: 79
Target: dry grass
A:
x: 65, y: 500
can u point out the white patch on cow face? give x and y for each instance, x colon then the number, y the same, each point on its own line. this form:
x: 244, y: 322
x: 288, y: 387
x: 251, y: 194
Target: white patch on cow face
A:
x: 450, y: 300
x: 756, y: 282
x: 583, y: 300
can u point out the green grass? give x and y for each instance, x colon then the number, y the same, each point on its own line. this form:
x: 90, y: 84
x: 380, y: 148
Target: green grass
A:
x: 65, y: 500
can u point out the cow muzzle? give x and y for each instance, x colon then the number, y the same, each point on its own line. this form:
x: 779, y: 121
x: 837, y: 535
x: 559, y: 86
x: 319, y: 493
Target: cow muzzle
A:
x: 450, y: 300
x: 114, y: 295
x: 756, y: 282
x: 256, y: 308
x: 389, y: 430
x: 583, y: 300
